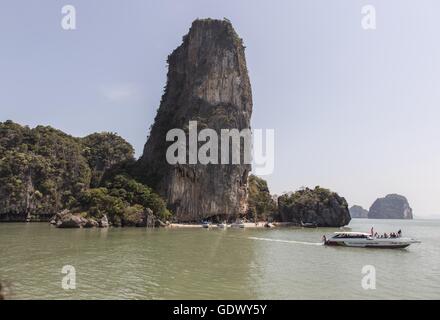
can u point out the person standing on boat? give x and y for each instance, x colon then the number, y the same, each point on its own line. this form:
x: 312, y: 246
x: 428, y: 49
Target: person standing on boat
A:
x: 372, y: 231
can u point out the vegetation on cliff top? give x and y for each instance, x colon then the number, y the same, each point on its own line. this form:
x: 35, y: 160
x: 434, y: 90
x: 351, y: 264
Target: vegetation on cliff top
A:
x: 319, y: 206
x: 41, y: 169
x: 103, y: 151
x: 118, y: 197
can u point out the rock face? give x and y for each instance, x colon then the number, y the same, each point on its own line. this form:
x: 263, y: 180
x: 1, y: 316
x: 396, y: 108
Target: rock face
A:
x: 393, y: 206
x: 103, y: 222
x: 358, y: 212
x: 70, y: 221
x: 137, y: 216
x: 207, y: 82
x: 318, y: 206
x: 67, y: 220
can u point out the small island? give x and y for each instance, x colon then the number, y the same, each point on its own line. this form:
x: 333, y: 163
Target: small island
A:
x: 318, y: 206
x: 358, y: 212
x: 392, y: 206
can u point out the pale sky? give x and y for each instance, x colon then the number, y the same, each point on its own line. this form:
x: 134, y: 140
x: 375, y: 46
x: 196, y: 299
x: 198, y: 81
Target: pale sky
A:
x: 353, y: 110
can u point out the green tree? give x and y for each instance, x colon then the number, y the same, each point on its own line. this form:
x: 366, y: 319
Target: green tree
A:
x: 260, y: 202
x: 44, y: 170
x: 104, y: 151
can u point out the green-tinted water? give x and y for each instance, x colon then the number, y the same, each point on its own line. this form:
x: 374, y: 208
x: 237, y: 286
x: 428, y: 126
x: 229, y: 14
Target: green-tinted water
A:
x: 215, y: 264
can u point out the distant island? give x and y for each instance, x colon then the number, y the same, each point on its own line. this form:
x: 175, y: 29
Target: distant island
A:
x: 358, y: 212
x: 317, y: 206
x: 392, y: 206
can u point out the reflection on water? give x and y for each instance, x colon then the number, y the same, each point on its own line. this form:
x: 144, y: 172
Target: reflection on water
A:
x: 137, y: 263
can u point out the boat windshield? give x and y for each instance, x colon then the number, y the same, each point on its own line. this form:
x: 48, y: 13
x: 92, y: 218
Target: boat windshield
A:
x: 351, y: 235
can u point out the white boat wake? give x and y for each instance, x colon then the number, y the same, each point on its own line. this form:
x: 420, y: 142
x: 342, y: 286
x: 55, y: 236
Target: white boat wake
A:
x: 288, y: 241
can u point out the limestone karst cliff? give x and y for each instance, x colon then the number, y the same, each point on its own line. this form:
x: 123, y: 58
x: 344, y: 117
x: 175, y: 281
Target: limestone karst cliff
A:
x: 207, y: 82
x: 393, y: 206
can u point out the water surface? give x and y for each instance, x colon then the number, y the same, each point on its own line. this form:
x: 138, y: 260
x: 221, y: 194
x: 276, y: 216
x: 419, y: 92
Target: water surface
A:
x: 134, y: 263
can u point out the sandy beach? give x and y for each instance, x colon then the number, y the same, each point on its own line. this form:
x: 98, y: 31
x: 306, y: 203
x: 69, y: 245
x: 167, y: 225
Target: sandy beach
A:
x: 254, y: 225
x: 199, y: 225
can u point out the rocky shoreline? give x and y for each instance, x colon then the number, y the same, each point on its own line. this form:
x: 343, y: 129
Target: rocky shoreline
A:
x: 69, y: 220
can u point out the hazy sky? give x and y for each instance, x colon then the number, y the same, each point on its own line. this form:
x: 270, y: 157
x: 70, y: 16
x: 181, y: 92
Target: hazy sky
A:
x: 353, y: 110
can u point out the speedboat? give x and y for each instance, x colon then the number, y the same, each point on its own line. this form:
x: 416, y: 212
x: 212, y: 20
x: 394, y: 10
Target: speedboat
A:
x: 366, y: 240
x: 206, y: 224
x: 238, y: 224
x: 309, y: 225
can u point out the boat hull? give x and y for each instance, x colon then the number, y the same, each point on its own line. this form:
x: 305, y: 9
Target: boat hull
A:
x: 370, y: 244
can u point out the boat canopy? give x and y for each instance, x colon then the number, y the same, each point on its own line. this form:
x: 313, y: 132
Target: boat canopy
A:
x: 353, y: 233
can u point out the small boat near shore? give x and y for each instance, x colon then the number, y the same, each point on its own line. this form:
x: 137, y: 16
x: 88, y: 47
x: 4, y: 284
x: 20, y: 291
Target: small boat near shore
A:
x: 223, y: 225
x: 238, y: 224
x: 206, y: 224
x: 309, y: 225
x: 366, y: 240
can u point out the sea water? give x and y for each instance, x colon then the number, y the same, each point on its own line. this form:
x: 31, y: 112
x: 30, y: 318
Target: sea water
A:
x: 285, y: 263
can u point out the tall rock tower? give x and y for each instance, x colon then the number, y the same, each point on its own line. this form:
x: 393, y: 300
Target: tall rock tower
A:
x: 207, y: 82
